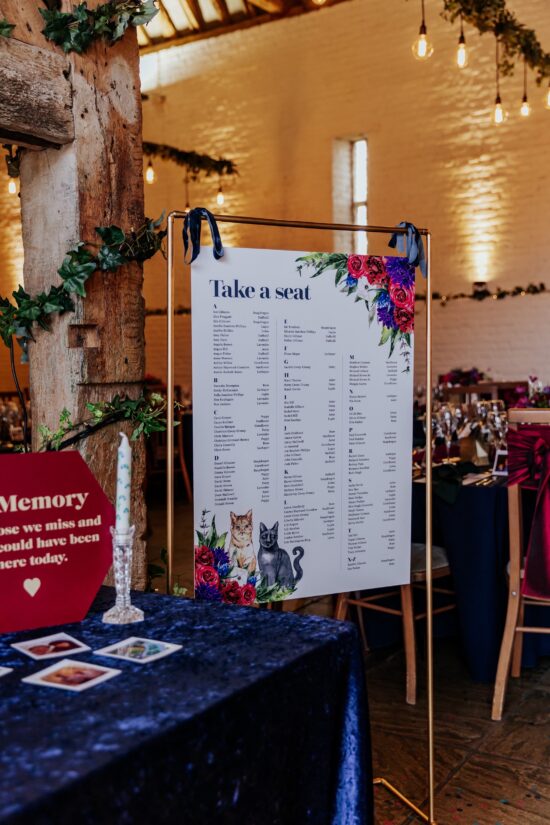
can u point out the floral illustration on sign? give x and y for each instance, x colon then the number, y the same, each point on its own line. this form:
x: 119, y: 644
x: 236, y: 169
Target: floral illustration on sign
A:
x: 384, y: 284
x: 218, y: 578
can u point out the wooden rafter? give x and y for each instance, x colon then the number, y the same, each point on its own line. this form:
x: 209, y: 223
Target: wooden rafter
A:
x: 222, y: 10
x: 194, y: 14
x: 270, y: 6
x: 164, y: 11
x: 253, y: 13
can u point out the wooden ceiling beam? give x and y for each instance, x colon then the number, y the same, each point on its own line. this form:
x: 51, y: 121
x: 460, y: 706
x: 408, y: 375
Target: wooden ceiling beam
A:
x: 35, y: 96
x: 270, y: 6
x: 222, y: 10
x: 194, y: 14
x: 237, y: 22
x: 164, y: 10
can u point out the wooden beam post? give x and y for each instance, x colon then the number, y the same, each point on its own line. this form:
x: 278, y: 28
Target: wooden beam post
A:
x: 96, y: 180
x: 35, y: 96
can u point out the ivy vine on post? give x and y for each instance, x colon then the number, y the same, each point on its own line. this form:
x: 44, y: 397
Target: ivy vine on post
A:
x: 18, y: 317
x: 147, y: 414
x: 6, y: 27
x: 75, y: 31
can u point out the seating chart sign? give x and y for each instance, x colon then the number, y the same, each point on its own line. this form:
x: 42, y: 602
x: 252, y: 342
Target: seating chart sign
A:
x: 302, y: 401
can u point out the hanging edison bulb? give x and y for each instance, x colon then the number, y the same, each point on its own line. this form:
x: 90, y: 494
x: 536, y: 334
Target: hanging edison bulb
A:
x: 187, y: 199
x: 150, y: 174
x: 220, y: 197
x: 498, y: 113
x: 547, y: 97
x: 525, y: 109
x: 422, y: 49
x: 12, y: 187
x: 461, y: 51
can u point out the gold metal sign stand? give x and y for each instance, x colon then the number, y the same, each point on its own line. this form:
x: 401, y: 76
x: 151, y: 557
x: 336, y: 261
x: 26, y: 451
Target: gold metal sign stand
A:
x: 331, y: 227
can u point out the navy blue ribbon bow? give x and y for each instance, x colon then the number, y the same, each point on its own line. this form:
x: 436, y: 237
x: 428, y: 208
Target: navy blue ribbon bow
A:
x: 411, y: 244
x: 192, y: 224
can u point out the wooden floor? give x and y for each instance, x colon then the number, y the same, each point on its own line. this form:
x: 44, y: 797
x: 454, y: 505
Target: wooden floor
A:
x: 488, y: 773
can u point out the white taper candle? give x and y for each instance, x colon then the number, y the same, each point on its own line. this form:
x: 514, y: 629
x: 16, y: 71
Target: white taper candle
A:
x: 123, y: 485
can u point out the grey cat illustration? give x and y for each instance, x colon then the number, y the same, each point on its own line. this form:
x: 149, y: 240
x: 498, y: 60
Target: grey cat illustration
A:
x: 274, y: 561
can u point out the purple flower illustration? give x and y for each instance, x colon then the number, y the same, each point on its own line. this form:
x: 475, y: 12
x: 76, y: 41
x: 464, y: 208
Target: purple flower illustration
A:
x: 385, y: 311
x: 400, y: 271
x: 220, y: 556
x: 207, y: 593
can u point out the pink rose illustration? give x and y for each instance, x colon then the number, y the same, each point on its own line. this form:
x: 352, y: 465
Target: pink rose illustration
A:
x: 375, y: 270
x: 356, y: 265
x: 204, y: 574
x: 402, y: 296
x: 248, y: 594
x: 404, y: 319
x: 204, y: 555
x: 231, y: 592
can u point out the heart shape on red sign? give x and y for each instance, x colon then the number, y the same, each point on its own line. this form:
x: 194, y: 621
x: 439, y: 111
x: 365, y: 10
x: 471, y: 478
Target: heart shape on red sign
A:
x: 55, y: 543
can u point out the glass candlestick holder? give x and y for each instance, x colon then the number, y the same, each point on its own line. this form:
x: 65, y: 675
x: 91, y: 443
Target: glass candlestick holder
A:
x: 123, y: 612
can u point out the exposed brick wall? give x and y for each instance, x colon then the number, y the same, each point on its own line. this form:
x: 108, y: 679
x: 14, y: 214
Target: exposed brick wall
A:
x: 277, y: 97
x: 11, y: 268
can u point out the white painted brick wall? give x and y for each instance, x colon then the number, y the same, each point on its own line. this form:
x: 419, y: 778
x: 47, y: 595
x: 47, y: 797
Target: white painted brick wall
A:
x: 11, y: 268
x: 277, y: 97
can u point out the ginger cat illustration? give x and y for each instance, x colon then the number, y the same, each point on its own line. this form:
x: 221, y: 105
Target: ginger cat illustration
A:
x: 241, y: 548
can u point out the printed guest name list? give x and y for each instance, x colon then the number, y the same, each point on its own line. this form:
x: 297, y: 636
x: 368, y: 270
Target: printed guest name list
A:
x: 301, y: 416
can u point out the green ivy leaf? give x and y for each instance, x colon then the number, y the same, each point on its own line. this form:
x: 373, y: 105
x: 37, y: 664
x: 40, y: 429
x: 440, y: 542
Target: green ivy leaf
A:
x: 110, y: 259
x: 75, y: 31
x: 110, y: 235
x: 146, y: 13
x: 6, y: 28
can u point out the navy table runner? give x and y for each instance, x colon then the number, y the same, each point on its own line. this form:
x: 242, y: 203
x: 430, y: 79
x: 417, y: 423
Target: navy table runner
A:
x: 261, y: 719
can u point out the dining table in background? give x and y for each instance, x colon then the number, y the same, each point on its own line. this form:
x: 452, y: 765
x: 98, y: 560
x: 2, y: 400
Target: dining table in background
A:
x: 473, y: 529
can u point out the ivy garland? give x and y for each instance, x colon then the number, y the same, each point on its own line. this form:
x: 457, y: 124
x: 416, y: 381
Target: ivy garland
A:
x: 147, y: 413
x: 483, y: 294
x: 118, y: 248
x: 75, y: 31
x: 192, y: 161
x: 517, y: 41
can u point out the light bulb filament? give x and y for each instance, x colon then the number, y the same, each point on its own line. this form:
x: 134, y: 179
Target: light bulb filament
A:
x: 150, y: 175
x: 461, y: 52
x: 422, y: 48
x: 525, y: 109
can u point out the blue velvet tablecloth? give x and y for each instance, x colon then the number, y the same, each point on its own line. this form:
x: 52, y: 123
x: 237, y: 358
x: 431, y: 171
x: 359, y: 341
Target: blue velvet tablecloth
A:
x: 260, y: 719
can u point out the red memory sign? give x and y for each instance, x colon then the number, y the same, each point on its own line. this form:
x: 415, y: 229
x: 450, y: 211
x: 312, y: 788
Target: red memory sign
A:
x: 55, y: 543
